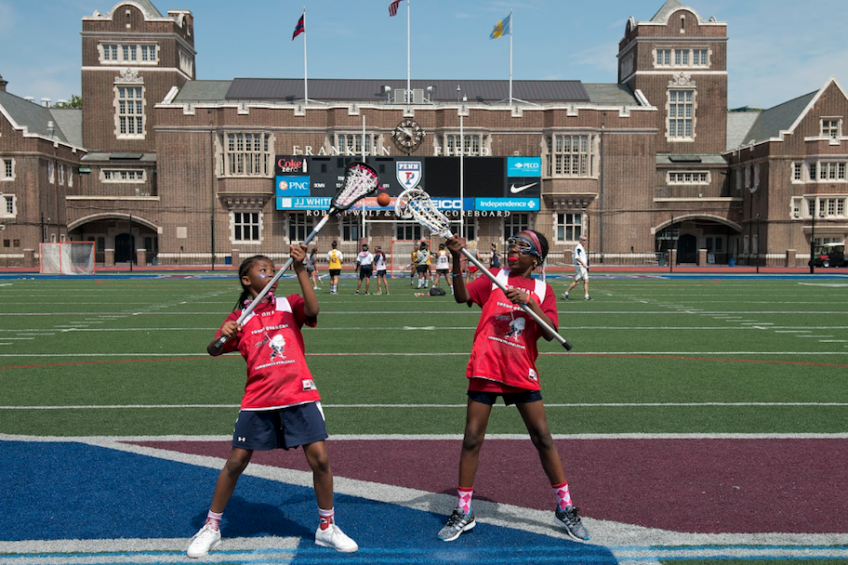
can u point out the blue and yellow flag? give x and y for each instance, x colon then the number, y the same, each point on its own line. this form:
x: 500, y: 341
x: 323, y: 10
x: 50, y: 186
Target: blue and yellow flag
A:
x: 501, y: 28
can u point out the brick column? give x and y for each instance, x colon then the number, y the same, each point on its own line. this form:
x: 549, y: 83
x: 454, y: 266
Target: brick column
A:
x: 790, y: 257
x: 236, y: 257
x: 141, y: 257
x: 108, y: 257
x: 702, y: 257
x: 29, y: 258
x: 672, y: 257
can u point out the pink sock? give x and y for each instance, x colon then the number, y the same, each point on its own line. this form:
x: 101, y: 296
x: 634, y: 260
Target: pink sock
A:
x: 562, y: 495
x: 464, y: 496
x: 214, y: 520
x: 325, y: 517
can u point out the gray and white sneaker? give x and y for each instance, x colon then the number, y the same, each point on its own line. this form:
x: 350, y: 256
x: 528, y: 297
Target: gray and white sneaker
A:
x: 570, y: 521
x: 335, y: 538
x: 458, y: 523
x: 565, y: 296
x: 204, y: 541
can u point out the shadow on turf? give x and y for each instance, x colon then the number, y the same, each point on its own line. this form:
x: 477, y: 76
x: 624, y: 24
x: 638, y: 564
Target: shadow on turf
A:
x: 250, y: 519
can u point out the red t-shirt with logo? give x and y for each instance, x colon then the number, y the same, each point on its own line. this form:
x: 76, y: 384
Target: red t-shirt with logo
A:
x: 272, y: 345
x: 503, y: 357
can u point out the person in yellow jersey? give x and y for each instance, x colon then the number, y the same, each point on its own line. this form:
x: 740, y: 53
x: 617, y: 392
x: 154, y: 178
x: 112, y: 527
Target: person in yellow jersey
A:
x: 334, y: 264
x: 413, y: 266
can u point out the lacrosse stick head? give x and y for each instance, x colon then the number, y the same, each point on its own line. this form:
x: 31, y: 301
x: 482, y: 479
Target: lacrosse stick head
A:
x: 414, y: 203
x: 360, y: 180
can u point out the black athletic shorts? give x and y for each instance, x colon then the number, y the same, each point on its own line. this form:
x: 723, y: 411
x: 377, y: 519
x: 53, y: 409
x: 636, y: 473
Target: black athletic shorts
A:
x: 285, y: 428
x: 508, y: 397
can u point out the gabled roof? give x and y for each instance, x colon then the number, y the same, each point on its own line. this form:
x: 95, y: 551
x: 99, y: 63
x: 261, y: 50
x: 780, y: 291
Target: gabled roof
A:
x: 146, y: 6
x: 667, y: 9
x: 34, y: 117
x: 780, y: 118
x: 371, y: 90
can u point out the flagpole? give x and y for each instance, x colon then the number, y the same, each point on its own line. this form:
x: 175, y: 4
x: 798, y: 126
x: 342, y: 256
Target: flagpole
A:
x: 408, y: 81
x: 305, y: 83
x: 511, y: 23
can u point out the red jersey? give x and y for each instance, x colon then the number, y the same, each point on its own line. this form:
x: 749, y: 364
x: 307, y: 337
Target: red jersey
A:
x: 272, y: 344
x: 504, y: 351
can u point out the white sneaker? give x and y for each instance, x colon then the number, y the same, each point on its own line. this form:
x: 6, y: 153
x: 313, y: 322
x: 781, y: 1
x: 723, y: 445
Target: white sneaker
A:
x: 204, y: 541
x: 334, y: 537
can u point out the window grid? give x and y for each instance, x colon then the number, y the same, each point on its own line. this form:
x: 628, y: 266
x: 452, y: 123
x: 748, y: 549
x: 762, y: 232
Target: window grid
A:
x: 569, y: 226
x: 300, y: 225
x: 246, y: 226
x: 350, y: 228
x: 572, y: 156
x: 121, y: 175
x: 827, y: 207
x: 515, y: 223
x: 247, y: 154
x: 145, y: 53
x: 830, y: 128
x: 408, y: 231
x: 688, y: 177
x: 680, y: 113
x: 797, y: 171
x: 348, y: 143
x: 9, y: 205
x: 131, y: 110
x: 471, y: 144
x: 7, y: 172
x: 688, y: 58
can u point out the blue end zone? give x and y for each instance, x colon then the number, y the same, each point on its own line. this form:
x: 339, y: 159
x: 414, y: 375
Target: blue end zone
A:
x: 55, y: 491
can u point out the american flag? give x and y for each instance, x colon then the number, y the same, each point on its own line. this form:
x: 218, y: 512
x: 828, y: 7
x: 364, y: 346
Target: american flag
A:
x: 393, y: 7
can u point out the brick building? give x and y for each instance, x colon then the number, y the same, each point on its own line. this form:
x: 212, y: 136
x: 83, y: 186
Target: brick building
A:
x: 160, y: 167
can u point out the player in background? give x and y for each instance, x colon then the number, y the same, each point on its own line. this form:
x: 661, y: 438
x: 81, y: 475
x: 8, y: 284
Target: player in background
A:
x: 443, y: 266
x: 423, y: 265
x: 413, y: 266
x: 364, y: 266
x: 503, y: 363
x: 312, y: 268
x: 471, y: 269
x: 380, y: 266
x: 581, y: 269
x: 334, y: 265
x: 281, y: 407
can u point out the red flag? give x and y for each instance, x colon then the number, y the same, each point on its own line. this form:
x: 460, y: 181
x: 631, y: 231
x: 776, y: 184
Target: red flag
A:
x: 299, y: 28
x: 393, y: 7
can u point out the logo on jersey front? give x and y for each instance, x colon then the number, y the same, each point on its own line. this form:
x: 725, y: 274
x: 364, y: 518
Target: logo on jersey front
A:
x: 408, y: 173
x: 277, y: 345
x: 516, y: 327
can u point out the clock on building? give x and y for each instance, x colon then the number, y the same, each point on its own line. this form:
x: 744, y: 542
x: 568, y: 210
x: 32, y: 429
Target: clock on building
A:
x: 408, y: 135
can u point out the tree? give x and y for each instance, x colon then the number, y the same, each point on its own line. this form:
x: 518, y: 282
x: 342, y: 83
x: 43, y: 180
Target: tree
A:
x: 76, y: 102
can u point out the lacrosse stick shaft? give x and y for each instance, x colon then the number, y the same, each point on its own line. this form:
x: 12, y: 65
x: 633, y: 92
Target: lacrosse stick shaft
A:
x: 255, y: 302
x: 524, y: 307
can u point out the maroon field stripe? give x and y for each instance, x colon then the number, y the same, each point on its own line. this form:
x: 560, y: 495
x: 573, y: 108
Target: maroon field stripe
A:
x: 684, y: 485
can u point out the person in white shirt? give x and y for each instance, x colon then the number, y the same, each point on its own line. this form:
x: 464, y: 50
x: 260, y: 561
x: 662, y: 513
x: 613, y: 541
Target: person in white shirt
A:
x: 423, y: 265
x: 443, y: 266
x: 364, y: 265
x: 581, y: 268
x: 380, y: 265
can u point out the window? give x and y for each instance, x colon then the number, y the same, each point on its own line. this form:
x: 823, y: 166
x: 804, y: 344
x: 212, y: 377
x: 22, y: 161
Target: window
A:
x: 470, y: 227
x: 408, y: 231
x: 739, y: 179
x: 796, y: 207
x: 831, y: 170
x: 246, y: 154
x: 830, y: 127
x: 827, y: 206
x: 350, y: 228
x: 471, y: 145
x: 681, y: 113
x: 51, y: 172
x: 122, y: 175
x: 681, y: 58
x: 61, y: 175
x: 748, y: 176
x: 7, y: 169
x: 9, y: 209
x: 70, y: 176
x: 246, y: 227
x: 797, y: 171
x: 569, y: 226
x: 571, y: 156
x: 136, y: 53
x: 351, y: 144
x: 515, y: 223
x: 688, y: 177
x: 129, y: 111
x: 186, y: 62
x: 300, y: 225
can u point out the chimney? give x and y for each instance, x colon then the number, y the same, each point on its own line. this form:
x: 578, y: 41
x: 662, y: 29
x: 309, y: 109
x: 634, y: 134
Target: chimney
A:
x: 3, y: 84
x: 30, y: 99
x: 51, y: 128
x: 45, y: 102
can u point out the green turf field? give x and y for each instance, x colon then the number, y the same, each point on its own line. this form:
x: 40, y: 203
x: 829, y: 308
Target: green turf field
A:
x: 118, y: 356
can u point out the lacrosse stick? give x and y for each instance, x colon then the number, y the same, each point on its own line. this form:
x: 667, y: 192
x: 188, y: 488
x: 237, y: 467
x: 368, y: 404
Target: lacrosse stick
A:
x: 360, y: 180
x: 415, y: 204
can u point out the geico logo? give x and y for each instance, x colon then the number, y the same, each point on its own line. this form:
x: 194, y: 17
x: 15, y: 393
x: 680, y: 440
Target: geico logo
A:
x: 449, y: 204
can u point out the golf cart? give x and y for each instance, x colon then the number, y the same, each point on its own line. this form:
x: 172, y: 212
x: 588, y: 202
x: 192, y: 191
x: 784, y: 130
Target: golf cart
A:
x: 830, y: 255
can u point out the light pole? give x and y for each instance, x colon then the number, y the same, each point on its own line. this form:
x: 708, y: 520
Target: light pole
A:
x: 758, y: 243
x: 813, y: 239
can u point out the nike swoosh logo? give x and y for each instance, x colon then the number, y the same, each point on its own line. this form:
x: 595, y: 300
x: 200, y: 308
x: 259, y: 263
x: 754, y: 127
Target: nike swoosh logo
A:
x: 516, y: 189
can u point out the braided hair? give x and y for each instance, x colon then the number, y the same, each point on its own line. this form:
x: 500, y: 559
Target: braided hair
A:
x: 244, y: 268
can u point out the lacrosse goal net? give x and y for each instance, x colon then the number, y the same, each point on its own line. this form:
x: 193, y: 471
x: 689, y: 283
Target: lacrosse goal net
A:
x: 67, y: 258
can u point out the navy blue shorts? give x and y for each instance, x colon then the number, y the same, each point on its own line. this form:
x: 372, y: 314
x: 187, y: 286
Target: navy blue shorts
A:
x: 508, y: 397
x: 283, y: 428
x: 365, y: 272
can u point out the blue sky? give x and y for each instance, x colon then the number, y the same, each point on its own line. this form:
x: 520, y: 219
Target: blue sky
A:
x: 778, y: 49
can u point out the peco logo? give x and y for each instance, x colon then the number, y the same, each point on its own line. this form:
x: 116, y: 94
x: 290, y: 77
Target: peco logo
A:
x: 524, y: 167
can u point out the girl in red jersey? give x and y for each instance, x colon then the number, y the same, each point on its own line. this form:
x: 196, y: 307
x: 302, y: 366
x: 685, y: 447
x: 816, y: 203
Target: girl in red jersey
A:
x: 281, y: 406
x: 503, y: 363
